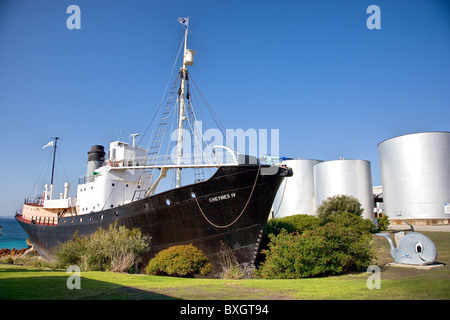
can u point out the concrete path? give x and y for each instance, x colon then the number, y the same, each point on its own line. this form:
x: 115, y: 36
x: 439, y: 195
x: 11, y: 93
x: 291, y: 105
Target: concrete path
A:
x: 442, y: 228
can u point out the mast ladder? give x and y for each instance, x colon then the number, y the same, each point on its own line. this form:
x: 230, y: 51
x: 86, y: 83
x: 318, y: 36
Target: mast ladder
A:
x: 147, y: 177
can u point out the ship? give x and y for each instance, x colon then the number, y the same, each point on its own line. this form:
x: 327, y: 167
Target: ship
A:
x: 228, y: 209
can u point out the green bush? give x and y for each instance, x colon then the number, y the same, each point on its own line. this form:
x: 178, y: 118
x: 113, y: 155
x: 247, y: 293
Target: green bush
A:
x: 294, y: 223
x: 179, y: 261
x: 328, y: 249
x: 354, y: 222
x: 383, y: 223
x: 70, y: 252
x: 9, y: 260
x: 336, y: 241
x: 336, y: 205
x: 116, y: 249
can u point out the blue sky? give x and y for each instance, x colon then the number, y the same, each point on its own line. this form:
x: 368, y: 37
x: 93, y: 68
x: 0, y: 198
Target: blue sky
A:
x: 311, y: 69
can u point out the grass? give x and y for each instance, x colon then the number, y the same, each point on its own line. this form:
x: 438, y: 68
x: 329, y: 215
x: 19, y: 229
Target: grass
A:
x: 21, y: 282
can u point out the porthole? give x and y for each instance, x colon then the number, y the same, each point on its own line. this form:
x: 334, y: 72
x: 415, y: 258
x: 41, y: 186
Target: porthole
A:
x: 81, y: 219
x: 113, y: 184
x: 193, y: 195
x: 90, y: 219
x: 116, y: 213
x: 101, y: 217
x: 168, y: 202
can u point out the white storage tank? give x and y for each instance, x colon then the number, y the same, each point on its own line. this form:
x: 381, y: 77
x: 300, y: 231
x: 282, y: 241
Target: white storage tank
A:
x: 415, y: 173
x: 345, y: 177
x: 296, y: 194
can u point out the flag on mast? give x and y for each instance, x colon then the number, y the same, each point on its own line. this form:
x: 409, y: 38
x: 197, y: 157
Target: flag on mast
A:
x: 183, y: 21
x: 50, y: 144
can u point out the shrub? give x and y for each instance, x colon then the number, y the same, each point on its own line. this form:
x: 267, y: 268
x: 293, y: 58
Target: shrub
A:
x: 336, y: 205
x: 126, y: 248
x: 9, y: 260
x: 231, y: 269
x: 328, y: 249
x: 179, y: 261
x: 70, y: 252
x: 35, y: 260
x: 294, y: 223
x: 383, y: 223
x: 116, y: 249
x: 354, y: 222
x: 95, y: 253
x: 337, y: 241
x: 230, y: 265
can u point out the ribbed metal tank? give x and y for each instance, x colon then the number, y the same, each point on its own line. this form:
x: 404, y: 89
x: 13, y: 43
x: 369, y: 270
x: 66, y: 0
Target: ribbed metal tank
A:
x: 415, y: 173
x: 345, y: 177
x: 296, y: 193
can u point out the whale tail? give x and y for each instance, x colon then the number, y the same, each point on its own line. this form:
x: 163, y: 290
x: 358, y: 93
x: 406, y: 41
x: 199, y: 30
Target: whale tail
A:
x: 412, y: 228
x: 391, y: 243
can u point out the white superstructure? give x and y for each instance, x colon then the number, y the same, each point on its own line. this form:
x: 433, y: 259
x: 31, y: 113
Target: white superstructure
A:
x: 114, y: 183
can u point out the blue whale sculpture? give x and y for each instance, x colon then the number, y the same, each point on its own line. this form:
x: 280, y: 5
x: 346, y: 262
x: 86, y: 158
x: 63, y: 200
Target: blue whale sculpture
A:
x: 414, y: 248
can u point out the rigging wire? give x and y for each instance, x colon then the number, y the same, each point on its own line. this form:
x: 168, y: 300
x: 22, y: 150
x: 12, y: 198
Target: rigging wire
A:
x: 213, y: 114
x: 58, y: 152
x: 171, y: 72
x: 193, y: 130
x: 275, y: 214
x: 45, y: 167
x: 194, y: 97
x: 174, y: 109
x: 164, y: 96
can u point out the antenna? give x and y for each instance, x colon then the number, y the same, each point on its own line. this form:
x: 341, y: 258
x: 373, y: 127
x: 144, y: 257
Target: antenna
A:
x: 133, y: 138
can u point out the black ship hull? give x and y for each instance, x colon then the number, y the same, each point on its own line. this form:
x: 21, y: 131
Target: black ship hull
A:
x: 231, y: 207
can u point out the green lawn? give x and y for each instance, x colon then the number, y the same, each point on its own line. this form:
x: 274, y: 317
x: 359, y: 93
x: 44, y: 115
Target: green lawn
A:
x: 19, y: 282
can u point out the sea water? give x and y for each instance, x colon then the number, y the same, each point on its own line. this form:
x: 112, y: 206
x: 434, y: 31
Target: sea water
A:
x: 12, y: 235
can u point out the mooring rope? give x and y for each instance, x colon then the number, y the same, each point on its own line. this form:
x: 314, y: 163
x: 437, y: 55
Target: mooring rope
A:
x: 245, y: 207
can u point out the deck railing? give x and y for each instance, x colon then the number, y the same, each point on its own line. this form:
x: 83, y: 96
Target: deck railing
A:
x: 40, y: 220
x: 35, y: 202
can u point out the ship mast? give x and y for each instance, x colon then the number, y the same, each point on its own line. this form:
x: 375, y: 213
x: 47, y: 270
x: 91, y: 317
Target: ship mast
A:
x: 54, y: 156
x: 181, y: 114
